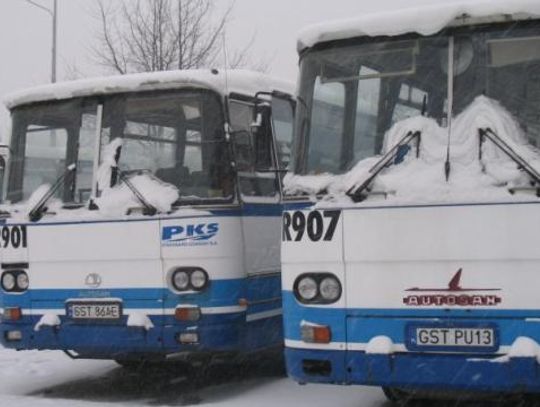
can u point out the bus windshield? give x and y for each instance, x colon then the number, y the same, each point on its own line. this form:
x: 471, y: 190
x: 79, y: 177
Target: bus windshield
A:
x: 177, y: 137
x: 354, y: 92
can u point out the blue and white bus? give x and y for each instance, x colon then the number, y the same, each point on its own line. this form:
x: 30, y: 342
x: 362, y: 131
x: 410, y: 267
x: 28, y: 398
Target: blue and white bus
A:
x: 142, y: 216
x: 416, y: 268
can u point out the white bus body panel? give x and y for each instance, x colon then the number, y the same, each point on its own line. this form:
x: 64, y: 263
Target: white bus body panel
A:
x: 391, y: 253
x: 124, y: 254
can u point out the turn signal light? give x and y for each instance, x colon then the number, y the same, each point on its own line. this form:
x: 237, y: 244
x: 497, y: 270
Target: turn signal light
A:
x: 187, y: 314
x: 12, y: 314
x: 316, y: 334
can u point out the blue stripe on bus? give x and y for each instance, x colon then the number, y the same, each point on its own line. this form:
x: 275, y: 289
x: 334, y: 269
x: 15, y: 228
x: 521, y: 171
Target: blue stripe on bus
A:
x: 221, y: 293
x: 361, y: 325
x: 266, y: 210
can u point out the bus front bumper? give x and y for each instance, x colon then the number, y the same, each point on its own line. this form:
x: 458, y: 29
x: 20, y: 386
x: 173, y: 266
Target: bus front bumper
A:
x: 210, y: 334
x: 415, y: 371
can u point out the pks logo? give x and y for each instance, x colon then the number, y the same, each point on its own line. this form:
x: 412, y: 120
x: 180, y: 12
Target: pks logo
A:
x: 202, y: 234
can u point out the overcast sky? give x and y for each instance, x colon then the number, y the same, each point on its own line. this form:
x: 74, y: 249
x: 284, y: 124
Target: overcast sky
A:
x: 25, y: 34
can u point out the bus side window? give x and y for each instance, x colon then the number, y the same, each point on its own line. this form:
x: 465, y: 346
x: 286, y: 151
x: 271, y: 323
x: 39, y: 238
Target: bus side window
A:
x: 253, y: 151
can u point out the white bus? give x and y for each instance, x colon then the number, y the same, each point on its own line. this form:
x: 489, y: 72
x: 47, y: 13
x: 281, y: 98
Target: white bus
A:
x: 142, y: 216
x: 417, y: 266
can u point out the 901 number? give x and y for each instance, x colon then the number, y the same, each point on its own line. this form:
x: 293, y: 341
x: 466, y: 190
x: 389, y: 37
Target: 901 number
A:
x: 297, y: 226
x: 14, y: 236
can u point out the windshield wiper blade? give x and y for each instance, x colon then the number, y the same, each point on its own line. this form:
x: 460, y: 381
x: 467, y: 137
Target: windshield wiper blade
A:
x: 149, y: 209
x: 36, y: 213
x: 356, y: 193
x: 523, y: 164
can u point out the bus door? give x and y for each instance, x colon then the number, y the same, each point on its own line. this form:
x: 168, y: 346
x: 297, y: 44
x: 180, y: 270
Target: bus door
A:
x: 259, y: 160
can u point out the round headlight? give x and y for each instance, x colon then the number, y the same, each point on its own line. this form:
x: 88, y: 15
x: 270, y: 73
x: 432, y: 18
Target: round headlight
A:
x: 198, y: 279
x: 181, y: 280
x: 22, y: 281
x: 307, y: 288
x: 330, y: 289
x: 8, y: 282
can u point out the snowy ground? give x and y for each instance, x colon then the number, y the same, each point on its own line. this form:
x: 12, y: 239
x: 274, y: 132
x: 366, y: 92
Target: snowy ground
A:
x: 37, y: 379
x: 29, y: 379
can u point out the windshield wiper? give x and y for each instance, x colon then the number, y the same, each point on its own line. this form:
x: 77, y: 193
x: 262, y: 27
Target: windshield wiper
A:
x: 489, y: 134
x: 36, y: 213
x: 149, y: 209
x: 394, y: 155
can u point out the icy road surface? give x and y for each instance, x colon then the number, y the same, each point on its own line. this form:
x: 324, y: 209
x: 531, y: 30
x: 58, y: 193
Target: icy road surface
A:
x: 36, y: 379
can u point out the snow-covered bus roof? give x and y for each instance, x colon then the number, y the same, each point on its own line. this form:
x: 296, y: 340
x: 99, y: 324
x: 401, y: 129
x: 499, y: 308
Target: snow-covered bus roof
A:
x: 424, y: 20
x: 224, y: 82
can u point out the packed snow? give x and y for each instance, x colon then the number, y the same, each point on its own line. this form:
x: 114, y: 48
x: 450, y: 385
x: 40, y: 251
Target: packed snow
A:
x: 40, y: 379
x: 115, y: 201
x: 48, y: 320
x: 139, y: 320
x: 222, y: 81
x: 37, y: 196
x: 423, y: 180
x: 424, y: 20
x: 380, y: 345
x: 523, y: 347
x: 108, y: 162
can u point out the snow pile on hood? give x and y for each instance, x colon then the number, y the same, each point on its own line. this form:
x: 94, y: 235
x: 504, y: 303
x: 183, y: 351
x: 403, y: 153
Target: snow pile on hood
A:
x: 20, y: 211
x: 423, y: 180
x: 116, y: 201
x: 424, y: 20
x: 37, y: 196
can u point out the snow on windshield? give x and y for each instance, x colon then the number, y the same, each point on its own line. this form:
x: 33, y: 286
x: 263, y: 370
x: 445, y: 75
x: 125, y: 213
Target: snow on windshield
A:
x: 115, y: 201
x: 423, y: 180
x: 118, y: 199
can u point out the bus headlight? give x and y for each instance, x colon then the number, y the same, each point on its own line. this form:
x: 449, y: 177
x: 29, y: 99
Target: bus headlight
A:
x: 189, y: 279
x: 317, y: 288
x: 8, y: 281
x: 180, y: 280
x: 199, y: 279
x: 307, y: 288
x: 14, y: 281
x: 330, y: 289
x: 22, y: 281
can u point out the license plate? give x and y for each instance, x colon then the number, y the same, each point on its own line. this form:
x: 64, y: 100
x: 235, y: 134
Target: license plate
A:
x: 94, y: 311
x: 453, y: 338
